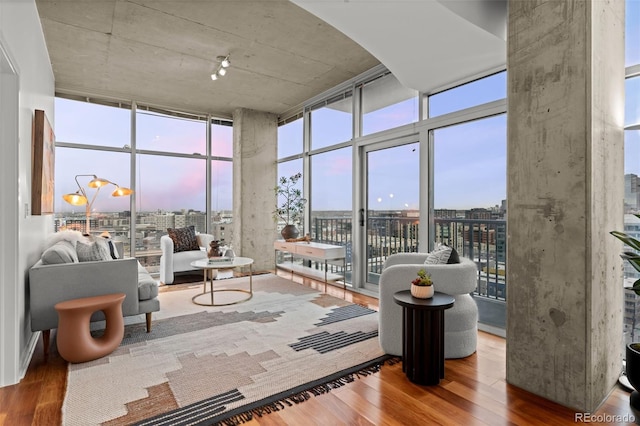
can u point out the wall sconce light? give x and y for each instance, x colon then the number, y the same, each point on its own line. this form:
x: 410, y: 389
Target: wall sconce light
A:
x: 79, y: 198
x: 222, y: 67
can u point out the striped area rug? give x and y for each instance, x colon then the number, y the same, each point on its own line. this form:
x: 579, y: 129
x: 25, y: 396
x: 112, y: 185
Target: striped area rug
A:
x: 225, y: 365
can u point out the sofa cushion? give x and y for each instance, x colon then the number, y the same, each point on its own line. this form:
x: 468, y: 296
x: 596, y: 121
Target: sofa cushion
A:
x: 184, y: 239
x: 182, y: 261
x: 61, y: 252
x: 147, y: 286
x: 204, y: 240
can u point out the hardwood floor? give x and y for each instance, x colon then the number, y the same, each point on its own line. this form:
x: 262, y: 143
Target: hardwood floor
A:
x: 474, y: 391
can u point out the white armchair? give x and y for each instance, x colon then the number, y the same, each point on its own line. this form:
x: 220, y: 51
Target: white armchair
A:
x: 457, y: 280
x: 171, y: 263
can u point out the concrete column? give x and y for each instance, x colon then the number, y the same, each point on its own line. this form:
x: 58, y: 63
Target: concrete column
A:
x: 254, y: 177
x: 565, y: 66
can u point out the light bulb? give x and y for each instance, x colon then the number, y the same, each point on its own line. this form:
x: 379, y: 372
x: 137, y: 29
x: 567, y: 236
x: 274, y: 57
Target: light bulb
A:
x: 214, y: 76
x: 225, y: 63
x: 222, y: 71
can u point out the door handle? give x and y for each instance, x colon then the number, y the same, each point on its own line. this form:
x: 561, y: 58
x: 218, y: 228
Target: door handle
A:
x: 361, y: 217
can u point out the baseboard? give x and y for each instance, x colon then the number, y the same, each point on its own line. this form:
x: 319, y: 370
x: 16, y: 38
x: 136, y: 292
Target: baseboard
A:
x: 31, y: 348
x: 492, y: 330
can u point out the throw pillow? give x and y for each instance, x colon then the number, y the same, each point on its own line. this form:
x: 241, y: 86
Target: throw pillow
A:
x: 442, y: 254
x: 184, y: 239
x: 93, y: 251
x: 113, y: 251
x: 61, y: 252
x: 454, y: 257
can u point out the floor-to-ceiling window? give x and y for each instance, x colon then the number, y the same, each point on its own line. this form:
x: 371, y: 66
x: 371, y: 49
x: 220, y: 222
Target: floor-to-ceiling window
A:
x: 469, y: 204
x: 393, y: 201
x: 477, y: 92
x: 372, y: 119
x: 221, y: 219
x: 170, y: 189
x: 631, y: 309
x: 387, y: 104
x: 331, y: 201
x: 164, y: 162
x: 93, y: 139
x: 290, y: 140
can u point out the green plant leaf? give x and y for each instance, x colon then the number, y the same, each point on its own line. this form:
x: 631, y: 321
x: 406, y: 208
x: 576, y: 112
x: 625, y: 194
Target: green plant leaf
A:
x: 630, y: 241
x: 634, y: 261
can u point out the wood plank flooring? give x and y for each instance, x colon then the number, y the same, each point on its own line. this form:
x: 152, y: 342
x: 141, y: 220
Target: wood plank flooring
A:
x: 473, y: 392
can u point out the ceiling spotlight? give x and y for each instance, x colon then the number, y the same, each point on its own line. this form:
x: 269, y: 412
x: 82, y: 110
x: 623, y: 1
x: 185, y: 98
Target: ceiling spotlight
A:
x: 222, y: 67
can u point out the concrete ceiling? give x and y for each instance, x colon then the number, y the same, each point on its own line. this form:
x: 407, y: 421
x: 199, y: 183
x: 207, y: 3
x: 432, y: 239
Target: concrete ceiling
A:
x: 162, y: 52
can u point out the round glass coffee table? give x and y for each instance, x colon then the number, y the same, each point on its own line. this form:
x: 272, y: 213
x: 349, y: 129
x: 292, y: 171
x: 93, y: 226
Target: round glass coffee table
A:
x: 222, y: 263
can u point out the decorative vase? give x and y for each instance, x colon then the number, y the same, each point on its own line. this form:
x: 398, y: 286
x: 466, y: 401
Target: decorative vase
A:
x: 289, y: 231
x: 633, y: 373
x: 422, y: 291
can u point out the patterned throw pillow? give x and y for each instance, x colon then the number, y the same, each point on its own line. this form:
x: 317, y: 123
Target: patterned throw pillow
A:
x: 94, y: 251
x: 442, y: 254
x: 184, y: 239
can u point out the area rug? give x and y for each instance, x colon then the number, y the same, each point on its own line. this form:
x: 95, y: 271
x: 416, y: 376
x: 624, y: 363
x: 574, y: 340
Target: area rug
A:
x: 209, y: 365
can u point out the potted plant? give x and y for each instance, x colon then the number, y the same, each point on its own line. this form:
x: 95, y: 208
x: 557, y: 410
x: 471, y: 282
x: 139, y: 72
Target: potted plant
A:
x: 289, y: 205
x: 632, y: 355
x: 422, y: 286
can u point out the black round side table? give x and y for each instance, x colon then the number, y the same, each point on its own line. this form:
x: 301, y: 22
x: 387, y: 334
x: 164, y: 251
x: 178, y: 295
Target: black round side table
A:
x: 423, y: 336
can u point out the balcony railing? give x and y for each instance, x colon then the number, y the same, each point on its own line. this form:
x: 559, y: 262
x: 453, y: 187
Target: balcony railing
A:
x: 483, y: 240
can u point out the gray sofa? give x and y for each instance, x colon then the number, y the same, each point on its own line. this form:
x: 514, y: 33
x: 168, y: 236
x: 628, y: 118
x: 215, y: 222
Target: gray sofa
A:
x: 53, y: 283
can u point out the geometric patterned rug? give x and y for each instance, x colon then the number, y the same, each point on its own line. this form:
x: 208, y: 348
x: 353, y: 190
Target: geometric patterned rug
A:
x: 224, y: 365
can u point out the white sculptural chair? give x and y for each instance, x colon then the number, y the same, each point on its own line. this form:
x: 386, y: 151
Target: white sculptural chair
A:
x: 457, y: 280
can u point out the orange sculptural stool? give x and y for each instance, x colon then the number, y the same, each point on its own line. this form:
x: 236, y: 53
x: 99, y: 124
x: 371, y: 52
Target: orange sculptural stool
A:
x: 75, y: 343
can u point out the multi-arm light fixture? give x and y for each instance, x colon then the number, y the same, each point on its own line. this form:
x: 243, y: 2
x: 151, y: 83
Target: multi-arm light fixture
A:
x: 79, y: 198
x: 222, y: 67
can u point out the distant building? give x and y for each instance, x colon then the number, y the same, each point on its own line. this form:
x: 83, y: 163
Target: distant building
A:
x: 631, y: 308
x: 631, y: 193
x: 164, y: 221
x: 478, y: 213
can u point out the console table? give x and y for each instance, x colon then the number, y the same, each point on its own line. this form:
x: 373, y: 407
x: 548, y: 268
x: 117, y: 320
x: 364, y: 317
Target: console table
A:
x: 327, y: 254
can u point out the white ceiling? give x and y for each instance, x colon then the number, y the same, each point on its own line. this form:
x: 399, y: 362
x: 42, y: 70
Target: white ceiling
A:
x: 426, y: 44
x: 162, y: 52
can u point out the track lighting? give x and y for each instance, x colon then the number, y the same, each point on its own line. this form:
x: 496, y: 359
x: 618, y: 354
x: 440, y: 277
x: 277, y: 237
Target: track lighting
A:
x: 222, y: 67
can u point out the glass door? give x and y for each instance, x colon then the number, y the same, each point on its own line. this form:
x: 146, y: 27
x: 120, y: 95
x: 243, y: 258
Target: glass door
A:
x: 392, y: 214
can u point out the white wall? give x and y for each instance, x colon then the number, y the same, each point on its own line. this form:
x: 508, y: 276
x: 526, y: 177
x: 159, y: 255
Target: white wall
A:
x: 22, y: 44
